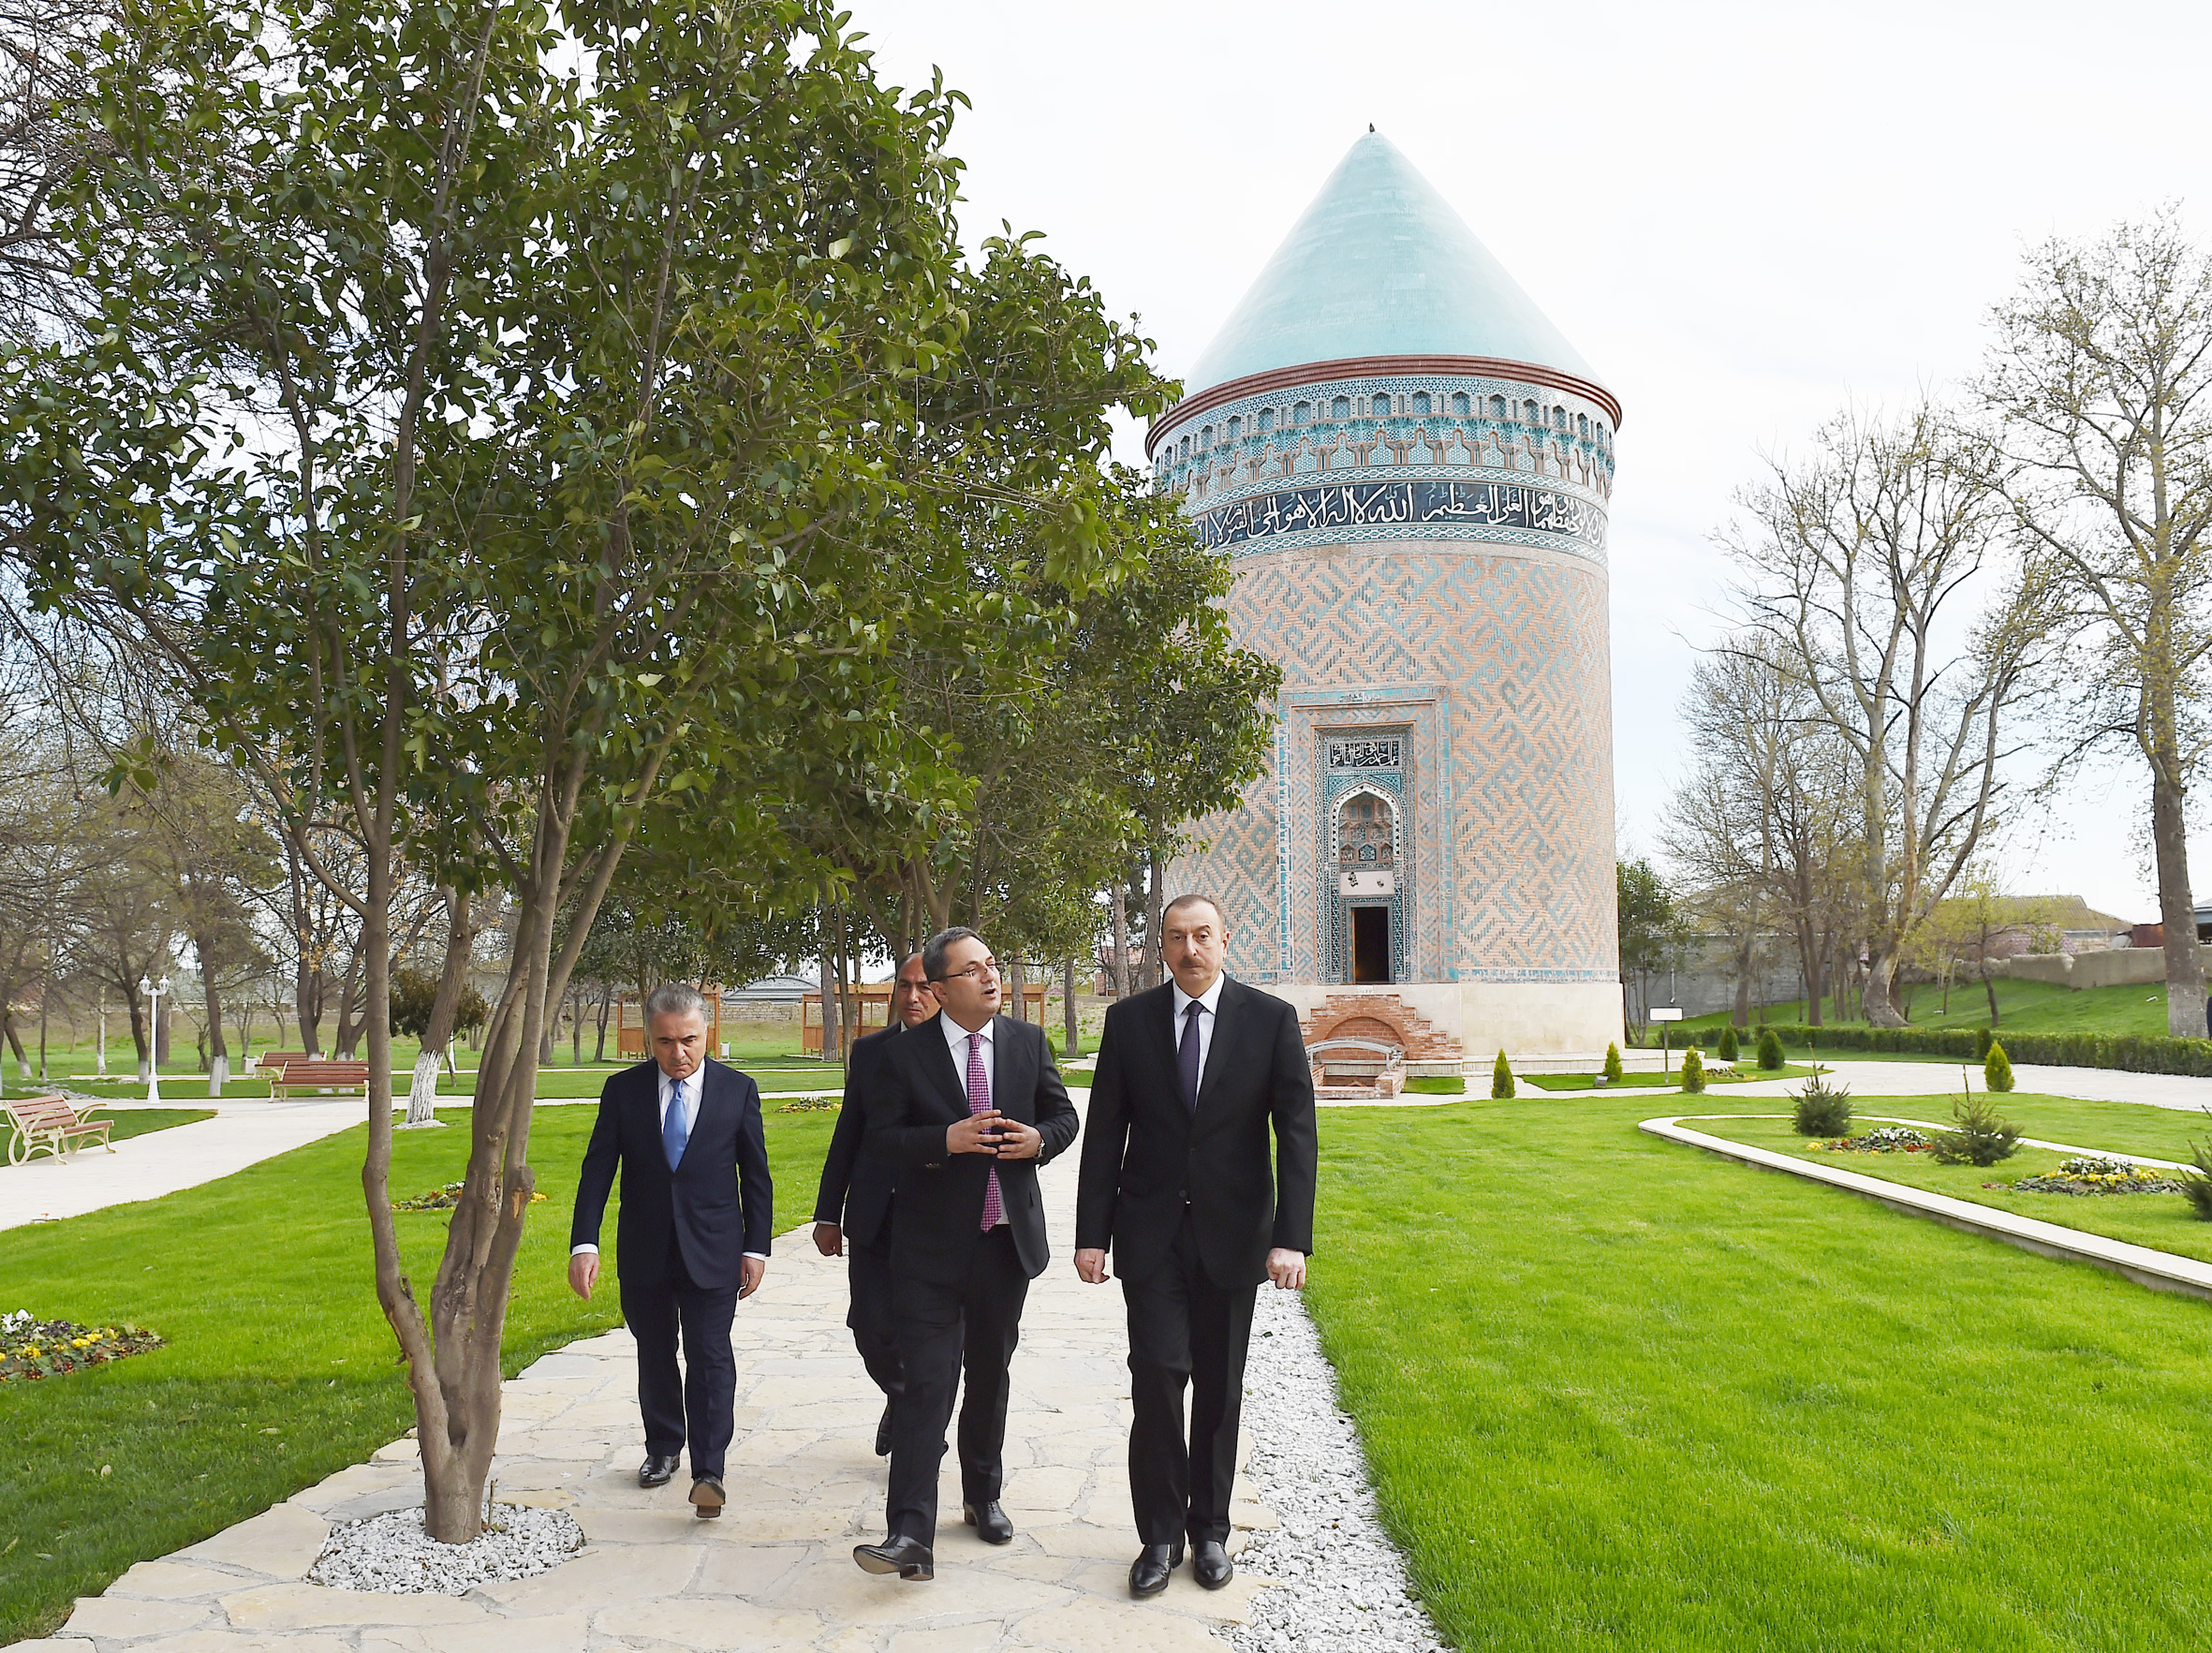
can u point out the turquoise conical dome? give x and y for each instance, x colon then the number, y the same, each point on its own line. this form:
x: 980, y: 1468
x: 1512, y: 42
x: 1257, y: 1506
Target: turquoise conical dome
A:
x: 1381, y: 265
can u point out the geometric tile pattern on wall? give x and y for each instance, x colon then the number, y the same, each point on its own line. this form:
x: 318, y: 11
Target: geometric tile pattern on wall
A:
x: 1495, y: 659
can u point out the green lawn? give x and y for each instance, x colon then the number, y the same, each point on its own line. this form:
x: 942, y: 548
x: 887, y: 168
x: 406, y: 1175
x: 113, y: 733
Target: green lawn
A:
x: 1662, y: 1401
x: 2162, y: 1220
x: 127, y: 1122
x: 1745, y: 1074
x: 2026, y: 1006
x: 279, y: 1368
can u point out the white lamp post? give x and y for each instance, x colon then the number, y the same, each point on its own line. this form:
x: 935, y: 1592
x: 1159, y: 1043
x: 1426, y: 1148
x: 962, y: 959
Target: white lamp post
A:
x: 153, y: 990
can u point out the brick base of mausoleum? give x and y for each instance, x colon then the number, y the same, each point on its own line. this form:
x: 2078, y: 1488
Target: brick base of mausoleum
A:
x: 1451, y: 1027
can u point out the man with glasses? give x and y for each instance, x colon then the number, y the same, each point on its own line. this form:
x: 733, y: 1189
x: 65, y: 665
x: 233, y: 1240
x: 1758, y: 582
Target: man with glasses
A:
x: 964, y: 1110
x: 852, y: 1208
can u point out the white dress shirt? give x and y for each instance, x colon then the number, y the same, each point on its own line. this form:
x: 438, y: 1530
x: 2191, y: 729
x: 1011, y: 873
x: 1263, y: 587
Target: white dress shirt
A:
x: 956, y: 1038
x: 688, y: 1089
x: 1211, y: 1001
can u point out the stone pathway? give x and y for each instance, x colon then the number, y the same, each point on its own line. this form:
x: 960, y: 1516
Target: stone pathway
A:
x: 776, y: 1572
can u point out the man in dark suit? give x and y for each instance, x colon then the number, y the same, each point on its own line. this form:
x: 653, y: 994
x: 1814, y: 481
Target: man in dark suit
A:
x: 967, y: 1107
x: 852, y: 1208
x: 693, y: 1235
x: 1175, y: 1179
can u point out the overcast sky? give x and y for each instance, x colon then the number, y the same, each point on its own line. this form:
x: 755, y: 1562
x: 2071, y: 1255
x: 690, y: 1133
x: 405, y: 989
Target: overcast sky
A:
x: 1741, y: 215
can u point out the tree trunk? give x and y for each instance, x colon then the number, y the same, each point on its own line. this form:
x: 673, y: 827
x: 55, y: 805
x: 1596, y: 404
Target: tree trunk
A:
x: 1154, y: 918
x: 452, y: 984
x: 1877, y: 995
x: 218, y: 1058
x: 1989, y: 987
x: 307, y: 1001
x: 1118, y: 908
x: 1074, y: 1045
x: 605, y: 1001
x: 1017, y: 979
x: 2185, y: 975
x: 833, y: 1007
x: 138, y: 1036
x: 23, y: 1063
x: 1741, y: 1015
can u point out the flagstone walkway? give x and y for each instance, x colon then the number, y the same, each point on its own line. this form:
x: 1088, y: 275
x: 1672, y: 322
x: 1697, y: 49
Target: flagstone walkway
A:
x: 776, y: 1572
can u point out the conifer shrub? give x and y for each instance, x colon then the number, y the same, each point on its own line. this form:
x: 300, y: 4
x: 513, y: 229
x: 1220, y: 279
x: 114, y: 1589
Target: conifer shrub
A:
x: 1983, y: 1038
x: 1983, y: 1136
x: 1501, y: 1080
x: 1822, y: 1109
x: 1613, y: 1065
x: 1997, y: 1069
x: 1693, y: 1071
x: 1770, y: 1050
x: 1728, y: 1050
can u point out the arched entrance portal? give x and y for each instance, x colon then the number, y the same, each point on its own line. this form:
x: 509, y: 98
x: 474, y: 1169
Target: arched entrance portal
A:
x: 1367, y: 868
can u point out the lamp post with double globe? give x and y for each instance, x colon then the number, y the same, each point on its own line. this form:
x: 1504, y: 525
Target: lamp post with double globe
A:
x: 153, y: 990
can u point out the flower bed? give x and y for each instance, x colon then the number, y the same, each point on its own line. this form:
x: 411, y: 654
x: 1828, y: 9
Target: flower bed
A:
x: 34, y: 1348
x: 1882, y: 1139
x: 443, y: 1198
x: 2092, y: 1173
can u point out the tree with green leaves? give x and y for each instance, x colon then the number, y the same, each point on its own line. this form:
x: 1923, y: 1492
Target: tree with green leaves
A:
x: 491, y: 451
x: 1654, y: 935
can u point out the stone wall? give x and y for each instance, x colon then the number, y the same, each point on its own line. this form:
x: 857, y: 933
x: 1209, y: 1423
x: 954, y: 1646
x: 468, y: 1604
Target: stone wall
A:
x: 2130, y: 966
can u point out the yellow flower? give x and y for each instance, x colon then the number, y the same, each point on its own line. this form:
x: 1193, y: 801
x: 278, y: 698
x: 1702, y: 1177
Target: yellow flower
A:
x: 32, y: 1353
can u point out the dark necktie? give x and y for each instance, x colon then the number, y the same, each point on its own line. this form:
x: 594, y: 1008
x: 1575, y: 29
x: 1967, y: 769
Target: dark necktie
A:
x: 676, y: 1131
x: 978, y: 1102
x: 1186, y: 1058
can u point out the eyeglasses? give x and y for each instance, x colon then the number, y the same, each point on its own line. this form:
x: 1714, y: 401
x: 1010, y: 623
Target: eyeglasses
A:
x: 980, y: 965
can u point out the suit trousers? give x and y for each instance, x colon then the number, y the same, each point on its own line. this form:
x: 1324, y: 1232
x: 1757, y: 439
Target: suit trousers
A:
x: 1184, y: 1330
x: 975, y: 1325
x: 697, y: 1405
x: 874, y: 1324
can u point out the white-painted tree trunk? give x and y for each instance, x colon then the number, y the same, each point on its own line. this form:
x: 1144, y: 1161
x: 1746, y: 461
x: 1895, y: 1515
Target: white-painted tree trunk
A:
x: 218, y: 1075
x: 422, y: 1094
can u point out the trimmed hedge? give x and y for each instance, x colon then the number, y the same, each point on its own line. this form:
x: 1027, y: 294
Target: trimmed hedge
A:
x: 2130, y: 1053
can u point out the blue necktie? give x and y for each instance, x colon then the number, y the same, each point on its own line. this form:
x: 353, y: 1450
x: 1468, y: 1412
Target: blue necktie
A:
x: 1186, y: 1058
x: 676, y: 1131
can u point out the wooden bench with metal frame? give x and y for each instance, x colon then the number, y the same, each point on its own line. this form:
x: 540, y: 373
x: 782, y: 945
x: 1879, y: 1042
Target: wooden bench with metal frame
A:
x: 48, y: 1125
x: 315, y: 1074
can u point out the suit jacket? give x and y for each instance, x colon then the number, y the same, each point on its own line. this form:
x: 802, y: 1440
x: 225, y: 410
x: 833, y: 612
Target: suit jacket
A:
x: 937, y: 1221
x: 718, y: 1202
x: 1145, y: 1155
x: 856, y: 1187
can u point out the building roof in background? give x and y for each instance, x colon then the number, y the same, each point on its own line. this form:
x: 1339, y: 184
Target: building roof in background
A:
x: 770, y: 989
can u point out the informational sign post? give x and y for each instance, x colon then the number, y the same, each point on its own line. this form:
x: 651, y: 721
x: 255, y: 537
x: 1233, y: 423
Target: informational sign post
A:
x: 1662, y: 1018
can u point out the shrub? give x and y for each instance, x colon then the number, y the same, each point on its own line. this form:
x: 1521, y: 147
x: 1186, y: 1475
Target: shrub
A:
x: 1501, y: 1080
x: 1983, y: 1038
x: 1728, y: 1049
x: 1997, y: 1068
x: 1693, y: 1073
x: 1612, y: 1067
x: 1982, y: 1138
x: 2133, y: 1053
x: 2197, y: 1184
x: 1770, y: 1050
x: 1822, y: 1109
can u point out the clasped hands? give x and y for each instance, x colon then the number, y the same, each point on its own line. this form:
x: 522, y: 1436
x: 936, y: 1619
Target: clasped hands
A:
x: 1285, y: 1267
x: 992, y: 1133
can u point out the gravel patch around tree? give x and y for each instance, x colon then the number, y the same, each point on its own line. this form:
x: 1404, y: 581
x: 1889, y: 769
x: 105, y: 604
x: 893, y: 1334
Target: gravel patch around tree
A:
x: 390, y: 1552
x: 1340, y: 1583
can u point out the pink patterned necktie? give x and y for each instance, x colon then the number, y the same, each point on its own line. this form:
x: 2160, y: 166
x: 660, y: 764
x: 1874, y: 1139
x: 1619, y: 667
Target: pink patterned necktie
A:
x: 978, y: 1102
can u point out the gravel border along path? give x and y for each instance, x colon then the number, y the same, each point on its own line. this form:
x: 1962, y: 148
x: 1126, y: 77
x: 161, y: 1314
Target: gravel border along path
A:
x: 1340, y: 1582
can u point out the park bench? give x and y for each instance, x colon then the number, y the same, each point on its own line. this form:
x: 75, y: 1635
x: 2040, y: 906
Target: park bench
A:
x: 301, y: 1073
x: 1354, y: 1067
x: 272, y: 1062
x: 48, y: 1125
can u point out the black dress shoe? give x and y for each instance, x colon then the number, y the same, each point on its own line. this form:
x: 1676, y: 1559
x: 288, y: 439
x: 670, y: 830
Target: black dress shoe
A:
x: 1209, y: 1564
x: 883, y: 1433
x: 1148, y: 1573
x: 989, y: 1521
x: 707, y: 1495
x: 909, y: 1558
x: 656, y: 1470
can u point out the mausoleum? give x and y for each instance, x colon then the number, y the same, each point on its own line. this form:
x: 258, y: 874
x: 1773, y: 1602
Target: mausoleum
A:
x: 1410, y: 465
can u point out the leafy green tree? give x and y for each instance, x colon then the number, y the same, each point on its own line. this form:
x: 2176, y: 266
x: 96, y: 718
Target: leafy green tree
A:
x: 1654, y: 935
